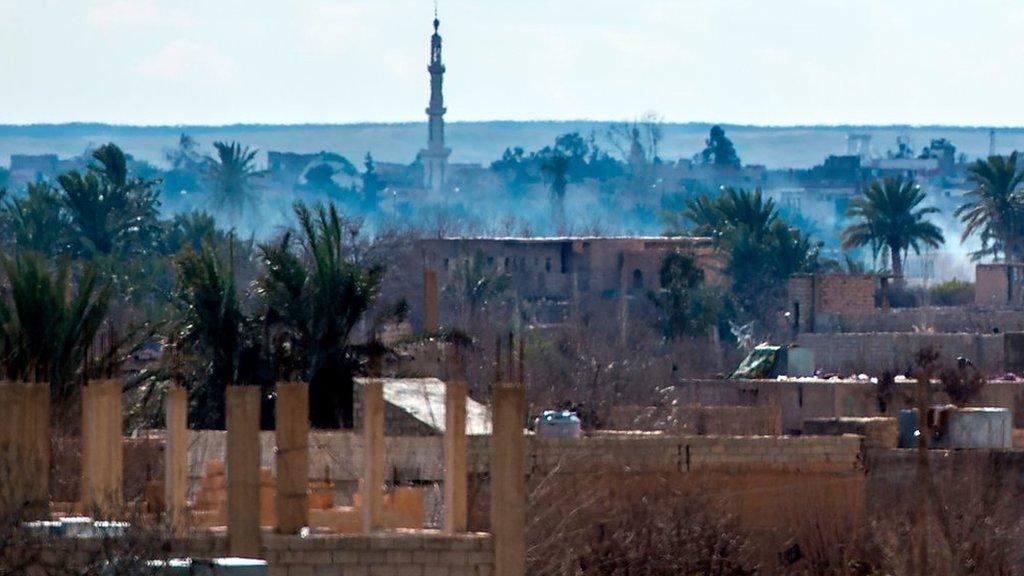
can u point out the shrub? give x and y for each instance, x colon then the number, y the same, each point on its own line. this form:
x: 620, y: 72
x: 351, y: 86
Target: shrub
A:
x: 952, y: 293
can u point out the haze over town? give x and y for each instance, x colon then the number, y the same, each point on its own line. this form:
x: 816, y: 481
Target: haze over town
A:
x: 479, y: 288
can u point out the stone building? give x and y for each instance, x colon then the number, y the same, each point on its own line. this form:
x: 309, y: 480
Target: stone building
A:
x: 565, y: 269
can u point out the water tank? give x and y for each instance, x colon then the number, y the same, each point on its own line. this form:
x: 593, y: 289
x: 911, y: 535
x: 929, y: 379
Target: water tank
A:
x: 980, y: 428
x: 558, y: 424
x: 959, y: 428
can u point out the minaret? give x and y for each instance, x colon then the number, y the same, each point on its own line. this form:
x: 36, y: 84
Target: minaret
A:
x: 435, y: 155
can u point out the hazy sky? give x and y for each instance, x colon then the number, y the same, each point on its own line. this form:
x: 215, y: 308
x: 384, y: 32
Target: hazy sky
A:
x: 295, y: 61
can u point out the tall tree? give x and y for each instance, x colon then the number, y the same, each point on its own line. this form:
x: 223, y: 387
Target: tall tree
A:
x: 232, y: 174
x: 760, y: 249
x: 994, y: 207
x: 48, y: 320
x: 109, y: 211
x: 556, y: 166
x: 889, y: 217
x: 315, y: 292
x: 35, y: 221
x: 213, y: 322
x: 719, y: 150
x: 688, y: 307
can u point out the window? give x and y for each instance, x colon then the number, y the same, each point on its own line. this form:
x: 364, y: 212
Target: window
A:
x: 547, y: 264
x: 638, y: 279
x: 445, y: 264
x: 506, y: 262
x: 490, y: 261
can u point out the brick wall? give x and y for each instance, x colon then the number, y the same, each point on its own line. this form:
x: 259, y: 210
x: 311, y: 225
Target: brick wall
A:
x: 820, y: 296
x: 872, y: 353
x: 843, y: 294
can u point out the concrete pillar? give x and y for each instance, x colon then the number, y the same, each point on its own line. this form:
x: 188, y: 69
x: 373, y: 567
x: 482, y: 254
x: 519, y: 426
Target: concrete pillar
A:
x: 430, y: 321
x: 508, y: 482
x: 176, y: 457
x: 455, y: 498
x: 102, y: 449
x: 373, y: 455
x: 292, y: 431
x: 243, y: 457
x: 25, y: 449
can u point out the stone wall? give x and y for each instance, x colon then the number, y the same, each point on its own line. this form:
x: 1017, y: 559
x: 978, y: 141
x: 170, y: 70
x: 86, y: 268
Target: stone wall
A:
x: 872, y: 353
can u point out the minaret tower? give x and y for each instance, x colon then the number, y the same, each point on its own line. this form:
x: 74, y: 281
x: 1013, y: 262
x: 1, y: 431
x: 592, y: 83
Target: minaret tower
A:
x: 435, y: 155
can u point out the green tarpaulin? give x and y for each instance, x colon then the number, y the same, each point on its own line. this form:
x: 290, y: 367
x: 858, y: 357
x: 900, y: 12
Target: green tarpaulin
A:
x: 759, y: 363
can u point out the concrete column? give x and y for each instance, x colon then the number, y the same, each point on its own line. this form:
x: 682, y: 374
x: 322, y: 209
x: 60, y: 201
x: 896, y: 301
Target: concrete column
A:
x: 373, y: 454
x: 243, y: 457
x: 430, y: 321
x: 508, y: 482
x: 102, y: 449
x: 292, y: 457
x: 176, y: 456
x: 455, y: 457
x: 25, y: 449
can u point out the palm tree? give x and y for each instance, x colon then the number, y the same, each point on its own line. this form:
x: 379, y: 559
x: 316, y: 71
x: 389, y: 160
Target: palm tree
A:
x: 556, y: 166
x: 213, y: 322
x: 761, y: 250
x: 48, y: 320
x: 35, y: 221
x: 994, y: 208
x: 314, y: 297
x: 232, y: 174
x: 890, y: 219
x: 108, y: 210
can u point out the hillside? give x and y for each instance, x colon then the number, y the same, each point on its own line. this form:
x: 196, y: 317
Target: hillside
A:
x: 482, y: 142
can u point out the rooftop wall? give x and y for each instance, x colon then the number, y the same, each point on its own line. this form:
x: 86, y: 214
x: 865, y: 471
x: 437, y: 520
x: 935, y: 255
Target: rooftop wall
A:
x: 801, y: 400
x: 872, y: 353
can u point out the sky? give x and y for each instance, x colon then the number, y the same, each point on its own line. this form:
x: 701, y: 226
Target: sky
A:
x: 765, y: 62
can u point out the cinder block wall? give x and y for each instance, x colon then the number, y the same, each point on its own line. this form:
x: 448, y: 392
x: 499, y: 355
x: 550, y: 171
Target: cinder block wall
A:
x: 801, y: 400
x: 872, y: 353
x: 700, y: 420
x: 391, y: 554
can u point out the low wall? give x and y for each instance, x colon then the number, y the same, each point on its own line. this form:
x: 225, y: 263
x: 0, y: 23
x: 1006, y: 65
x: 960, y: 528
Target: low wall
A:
x: 952, y: 319
x: 391, y: 553
x: 397, y: 554
x: 801, y: 400
x: 654, y: 454
x: 699, y: 420
x: 871, y: 353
